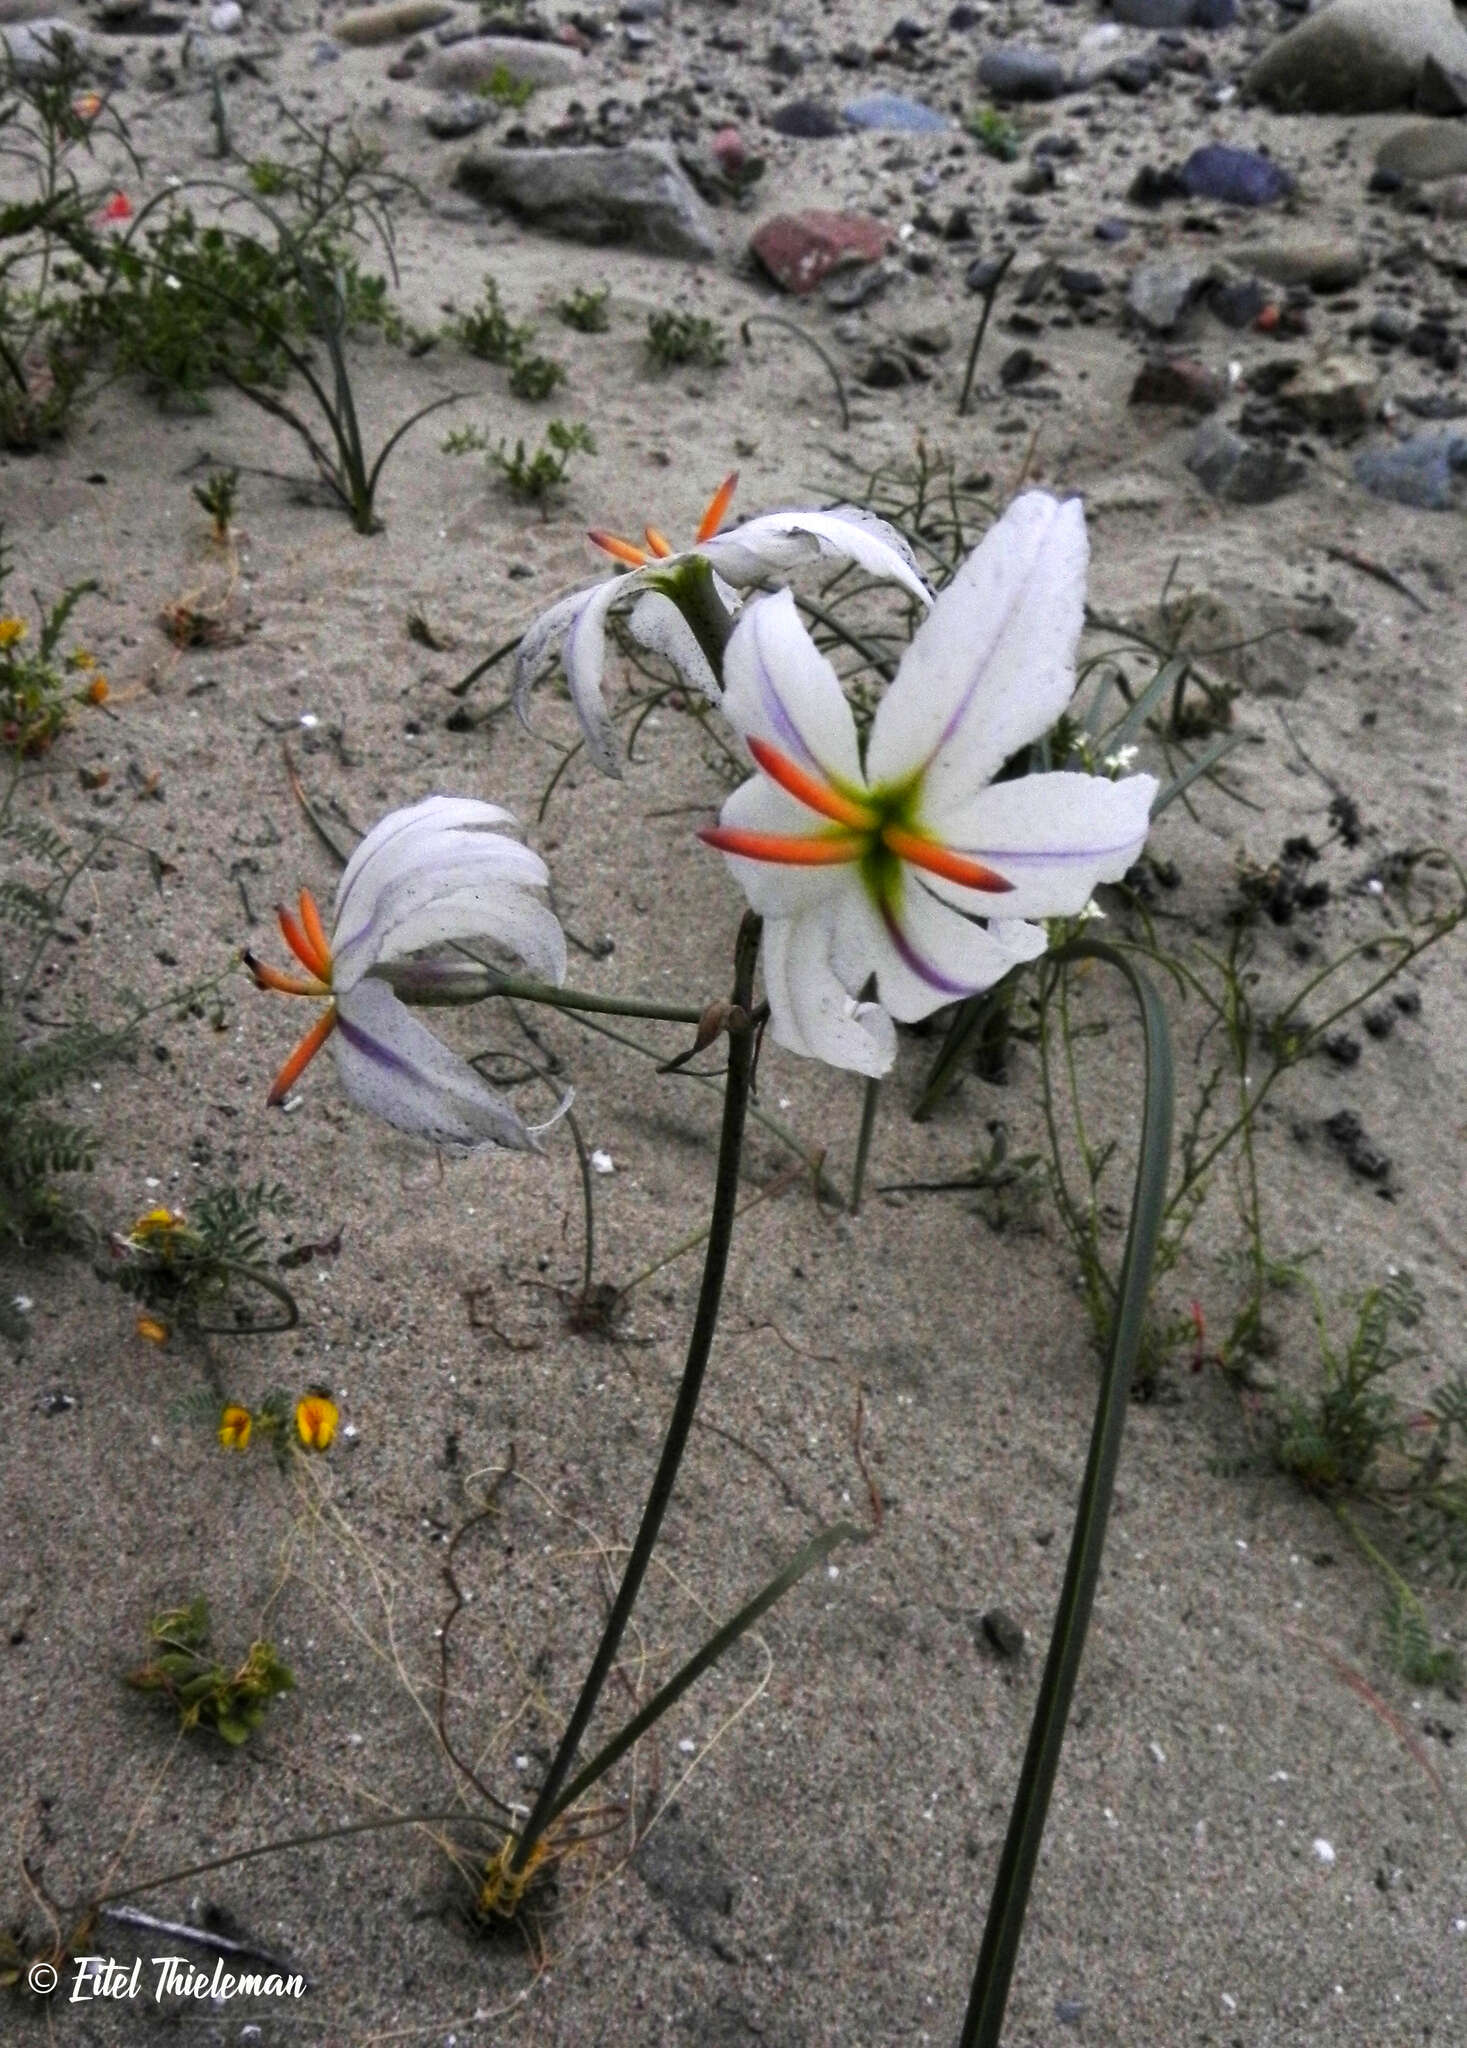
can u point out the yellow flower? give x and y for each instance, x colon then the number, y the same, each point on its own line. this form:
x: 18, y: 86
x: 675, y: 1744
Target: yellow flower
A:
x: 80, y: 658
x: 154, y: 1331
x: 235, y: 1425
x: 97, y: 690
x: 11, y: 630
x: 316, y: 1417
x: 159, y: 1232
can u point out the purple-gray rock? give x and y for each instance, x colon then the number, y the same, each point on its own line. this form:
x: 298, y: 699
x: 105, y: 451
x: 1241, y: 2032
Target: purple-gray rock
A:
x: 1234, y: 177
x: 1429, y: 472
x: 889, y: 110
x: 1021, y: 74
x: 1176, y: 13
x: 808, y: 120
x: 1239, y: 471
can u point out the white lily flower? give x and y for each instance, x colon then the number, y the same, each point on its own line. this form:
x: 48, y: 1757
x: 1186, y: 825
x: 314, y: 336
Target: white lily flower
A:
x: 914, y: 865
x: 439, y: 871
x: 575, y: 628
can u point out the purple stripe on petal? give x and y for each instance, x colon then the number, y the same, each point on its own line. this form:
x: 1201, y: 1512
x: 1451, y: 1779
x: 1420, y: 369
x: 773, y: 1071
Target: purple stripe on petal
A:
x: 1016, y: 600
x: 913, y: 959
x: 1017, y: 855
x: 779, y: 712
x: 373, y: 1049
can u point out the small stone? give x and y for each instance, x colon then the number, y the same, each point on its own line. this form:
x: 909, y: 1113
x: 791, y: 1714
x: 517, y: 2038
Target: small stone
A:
x: 1238, y: 471
x: 808, y: 120
x: 1234, y: 177
x: 1337, y: 395
x: 799, y: 249
x: 637, y: 195
x: 1379, y: 1022
x: 1016, y: 73
x: 1423, y: 151
x: 1162, y: 288
x: 1002, y: 1632
x: 1324, y: 265
x: 1179, y: 381
x: 1345, y: 1130
x: 1428, y: 471
x: 1342, y: 1048
x: 227, y: 19
x: 464, y: 67
x: 890, y: 111
x: 365, y: 26
x: 460, y: 114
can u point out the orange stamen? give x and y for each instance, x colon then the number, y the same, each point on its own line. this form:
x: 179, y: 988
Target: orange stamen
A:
x: 301, y: 1058
x: 619, y: 550
x: 809, y: 790
x: 718, y: 504
x: 820, y: 852
x: 300, y: 945
x: 315, y: 931
x: 659, y: 543
x: 283, y: 984
x: 941, y: 860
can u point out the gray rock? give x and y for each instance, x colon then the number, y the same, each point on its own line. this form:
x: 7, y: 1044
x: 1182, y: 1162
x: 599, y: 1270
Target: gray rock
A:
x: 1360, y: 56
x: 1326, y: 265
x: 389, y: 23
x: 637, y: 195
x: 460, y: 114
x: 33, y: 47
x: 1015, y: 73
x: 1238, y: 471
x: 1164, y: 287
x: 1175, y: 13
x: 463, y: 67
x: 1439, y: 91
x: 1449, y: 197
x: 1424, y: 150
x: 1429, y: 472
x: 1337, y: 395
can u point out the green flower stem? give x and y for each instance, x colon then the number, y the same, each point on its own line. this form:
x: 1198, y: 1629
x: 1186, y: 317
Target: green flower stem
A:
x: 983, y: 2024
x: 406, y: 980
x: 863, y: 1142
x: 741, y: 1034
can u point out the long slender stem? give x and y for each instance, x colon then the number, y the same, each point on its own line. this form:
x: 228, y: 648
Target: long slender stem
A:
x: 983, y: 2023
x: 700, y: 1344
x: 870, y: 1100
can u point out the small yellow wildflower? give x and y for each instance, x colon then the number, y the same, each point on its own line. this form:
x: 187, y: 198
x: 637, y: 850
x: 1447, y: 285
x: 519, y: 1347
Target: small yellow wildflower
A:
x: 98, y: 690
x: 316, y: 1417
x: 154, y: 1331
x: 11, y: 630
x: 235, y: 1425
x: 80, y: 658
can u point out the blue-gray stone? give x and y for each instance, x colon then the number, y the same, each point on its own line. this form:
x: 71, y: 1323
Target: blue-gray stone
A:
x: 1234, y: 177
x: 810, y: 120
x: 1176, y: 13
x: 1020, y: 74
x: 1429, y: 471
x: 890, y: 110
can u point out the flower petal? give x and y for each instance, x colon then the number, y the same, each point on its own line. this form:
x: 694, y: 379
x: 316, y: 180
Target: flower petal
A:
x: 1054, y: 837
x: 419, y: 872
x: 575, y: 630
x: 658, y: 624
x: 993, y: 664
x: 394, y: 844
x: 393, y: 1066
x: 779, y: 540
x: 810, y: 1011
x: 508, y: 917
x: 774, y: 889
x: 779, y: 687
x: 922, y: 953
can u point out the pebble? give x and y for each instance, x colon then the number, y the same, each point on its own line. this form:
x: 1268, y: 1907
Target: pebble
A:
x: 1324, y: 265
x: 889, y: 110
x: 637, y: 195
x: 1337, y: 395
x: 227, y: 19
x: 462, y: 113
x: 1234, y: 177
x: 1423, y: 151
x: 1428, y: 471
x: 463, y: 67
x: 1239, y: 471
x: 1360, y: 56
x: 1162, y: 288
x: 799, y: 249
x: 1180, y: 381
x: 1017, y: 73
x: 809, y: 120
x: 365, y: 26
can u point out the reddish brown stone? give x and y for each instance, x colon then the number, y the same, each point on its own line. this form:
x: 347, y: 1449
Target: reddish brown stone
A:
x: 1178, y: 380
x: 798, y: 249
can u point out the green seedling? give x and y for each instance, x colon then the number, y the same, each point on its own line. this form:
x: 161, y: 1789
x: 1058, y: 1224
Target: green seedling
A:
x: 505, y: 89
x: 217, y: 495
x: 677, y: 339
x: 586, y: 310
x: 205, y: 1693
x: 994, y: 133
x: 539, y: 475
x: 488, y: 332
x: 535, y: 377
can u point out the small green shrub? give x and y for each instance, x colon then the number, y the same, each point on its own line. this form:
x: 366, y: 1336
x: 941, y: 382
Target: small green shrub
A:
x: 676, y: 339
x: 539, y: 475
x: 205, y: 1693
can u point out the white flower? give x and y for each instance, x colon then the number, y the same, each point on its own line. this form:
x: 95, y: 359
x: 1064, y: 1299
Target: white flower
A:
x: 437, y: 872
x: 1119, y: 762
x: 915, y: 866
x: 575, y: 628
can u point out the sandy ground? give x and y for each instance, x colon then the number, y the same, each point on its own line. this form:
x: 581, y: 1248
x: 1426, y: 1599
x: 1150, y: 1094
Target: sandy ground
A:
x: 819, y: 1820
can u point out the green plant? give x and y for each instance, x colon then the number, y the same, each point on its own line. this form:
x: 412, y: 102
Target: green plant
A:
x: 586, y: 309
x: 487, y: 331
x: 200, y: 1273
x: 465, y: 441
x: 505, y: 89
x: 538, y: 476
x: 994, y: 133
x: 1330, y: 1440
x: 535, y: 377
x: 217, y: 496
x: 205, y: 1693
x: 674, y: 339
x: 38, y: 684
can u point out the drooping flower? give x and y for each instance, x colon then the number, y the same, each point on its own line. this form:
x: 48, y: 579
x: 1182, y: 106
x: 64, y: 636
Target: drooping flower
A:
x: 914, y: 865
x: 437, y: 872
x: 316, y: 1417
x: 682, y: 604
x: 236, y: 1425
